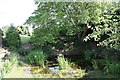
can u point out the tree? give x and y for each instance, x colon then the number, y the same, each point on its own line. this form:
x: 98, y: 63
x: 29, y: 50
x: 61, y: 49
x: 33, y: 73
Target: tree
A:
x: 107, y: 33
x: 12, y: 38
x: 56, y: 21
x: 1, y: 34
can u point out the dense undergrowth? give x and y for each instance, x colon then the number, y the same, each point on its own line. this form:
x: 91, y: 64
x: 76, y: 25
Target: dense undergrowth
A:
x: 80, y: 38
x: 75, y: 67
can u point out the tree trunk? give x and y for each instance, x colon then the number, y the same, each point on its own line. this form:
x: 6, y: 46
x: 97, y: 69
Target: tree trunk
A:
x: 0, y: 39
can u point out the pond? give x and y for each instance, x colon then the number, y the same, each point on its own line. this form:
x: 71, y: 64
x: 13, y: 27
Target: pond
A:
x: 37, y: 70
x: 54, y: 68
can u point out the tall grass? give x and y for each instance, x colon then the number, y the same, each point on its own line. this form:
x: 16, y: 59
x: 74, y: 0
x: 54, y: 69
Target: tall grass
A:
x: 63, y: 63
x: 8, y: 65
x: 36, y: 57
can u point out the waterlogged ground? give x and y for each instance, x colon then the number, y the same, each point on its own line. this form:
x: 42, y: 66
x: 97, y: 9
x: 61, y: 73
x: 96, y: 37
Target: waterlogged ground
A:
x: 37, y: 72
x: 24, y: 71
x: 18, y: 72
x: 100, y: 74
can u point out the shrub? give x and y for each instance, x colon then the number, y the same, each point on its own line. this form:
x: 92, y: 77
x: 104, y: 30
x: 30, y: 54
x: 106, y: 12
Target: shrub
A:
x: 95, y: 64
x: 42, y: 36
x: 88, y: 55
x: 12, y: 38
x: 113, y: 67
x: 47, y: 50
x: 37, y: 57
x: 23, y: 51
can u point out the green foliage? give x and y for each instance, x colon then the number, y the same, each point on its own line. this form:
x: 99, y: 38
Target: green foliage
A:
x: 23, y: 30
x: 23, y: 51
x: 107, y: 66
x: 57, y: 22
x: 13, y: 58
x: 4, y: 29
x: 41, y: 36
x: 113, y: 67
x: 65, y: 73
x: 1, y: 32
x: 63, y: 63
x: 95, y: 64
x: 75, y: 19
x: 4, y: 69
x: 88, y: 55
x: 107, y: 32
x: 8, y: 65
x: 25, y: 39
x: 26, y: 31
x: 71, y: 18
x: 12, y: 38
x: 68, y: 73
x: 37, y: 57
x: 47, y: 50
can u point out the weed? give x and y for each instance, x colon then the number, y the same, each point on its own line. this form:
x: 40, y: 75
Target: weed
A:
x: 63, y: 63
x: 37, y: 57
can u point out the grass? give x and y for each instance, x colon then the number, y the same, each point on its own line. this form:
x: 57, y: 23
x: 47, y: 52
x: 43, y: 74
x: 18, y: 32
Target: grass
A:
x: 23, y: 71
x: 46, y: 73
x: 18, y: 72
x: 26, y: 71
x: 63, y: 63
x: 100, y: 74
x: 13, y: 70
x: 25, y: 39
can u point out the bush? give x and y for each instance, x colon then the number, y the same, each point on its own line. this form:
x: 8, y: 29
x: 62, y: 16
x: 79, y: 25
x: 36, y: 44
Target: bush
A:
x: 37, y: 57
x: 47, y: 50
x: 113, y: 67
x: 88, y: 55
x: 12, y: 38
x: 42, y: 36
x: 95, y: 64
x: 23, y: 51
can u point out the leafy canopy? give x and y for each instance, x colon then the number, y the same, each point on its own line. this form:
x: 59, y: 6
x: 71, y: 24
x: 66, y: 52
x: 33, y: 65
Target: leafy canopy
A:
x: 75, y: 18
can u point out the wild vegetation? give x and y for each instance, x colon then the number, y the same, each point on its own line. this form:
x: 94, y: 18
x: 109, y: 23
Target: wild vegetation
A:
x: 69, y: 40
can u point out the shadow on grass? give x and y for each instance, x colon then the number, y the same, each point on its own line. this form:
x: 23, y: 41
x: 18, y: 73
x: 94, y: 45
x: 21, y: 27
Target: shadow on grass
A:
x: 100, y: 74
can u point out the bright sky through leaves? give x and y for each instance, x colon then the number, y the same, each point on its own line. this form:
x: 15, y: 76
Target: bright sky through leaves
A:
x: 15, y: 11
